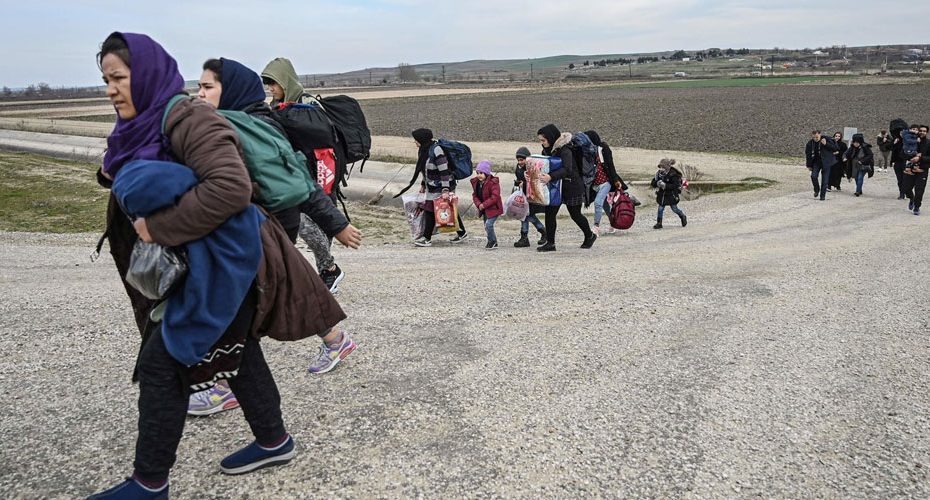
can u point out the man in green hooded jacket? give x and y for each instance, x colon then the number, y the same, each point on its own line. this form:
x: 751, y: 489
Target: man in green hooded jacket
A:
x: 281, y: 78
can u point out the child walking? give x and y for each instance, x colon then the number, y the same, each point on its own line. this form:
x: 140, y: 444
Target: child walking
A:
x: 667, y: 182
x: 487, y: 198
x: 520, y: 182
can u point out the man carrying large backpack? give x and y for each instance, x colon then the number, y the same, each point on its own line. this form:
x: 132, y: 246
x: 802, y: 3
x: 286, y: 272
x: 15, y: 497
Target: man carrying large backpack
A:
x: 281, y: 78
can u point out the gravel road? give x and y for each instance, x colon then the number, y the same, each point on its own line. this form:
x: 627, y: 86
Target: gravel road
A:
x: 776, y: 347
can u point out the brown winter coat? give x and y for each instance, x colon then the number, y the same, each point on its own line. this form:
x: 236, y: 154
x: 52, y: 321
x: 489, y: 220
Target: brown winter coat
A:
x: 293, y: 303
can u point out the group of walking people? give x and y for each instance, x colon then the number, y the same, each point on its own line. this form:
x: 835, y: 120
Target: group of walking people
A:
x: 438, y: 182
x: 905, y: 148
x: 181, y: 176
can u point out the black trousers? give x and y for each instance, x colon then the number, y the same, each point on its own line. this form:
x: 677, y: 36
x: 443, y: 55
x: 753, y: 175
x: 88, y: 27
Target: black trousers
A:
x: 164, y: 393
x: 429, y: 225
x: 575, y: 212
x: 914, y: 186
x: 899, y: 174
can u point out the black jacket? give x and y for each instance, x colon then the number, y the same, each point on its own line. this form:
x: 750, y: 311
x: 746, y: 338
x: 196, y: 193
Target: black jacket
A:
x: 670, y: 195
x: 863, y: 155
x: 572, y: 185
x: 884, y: 143
x: 925, y: 155
x: 825, y: 151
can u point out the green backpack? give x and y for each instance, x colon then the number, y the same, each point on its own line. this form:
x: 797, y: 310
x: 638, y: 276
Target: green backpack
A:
x: 280, y: 172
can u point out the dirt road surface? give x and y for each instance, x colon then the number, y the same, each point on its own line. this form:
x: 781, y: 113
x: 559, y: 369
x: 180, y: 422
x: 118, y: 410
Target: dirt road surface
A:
x: 776, y: 347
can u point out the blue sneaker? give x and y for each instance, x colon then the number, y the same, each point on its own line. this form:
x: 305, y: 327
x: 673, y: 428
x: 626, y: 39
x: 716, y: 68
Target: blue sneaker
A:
x: 254, y: 457
x: 131, y: 490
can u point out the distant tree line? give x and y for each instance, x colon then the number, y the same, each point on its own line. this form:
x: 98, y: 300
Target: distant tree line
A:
x: 43, y: 91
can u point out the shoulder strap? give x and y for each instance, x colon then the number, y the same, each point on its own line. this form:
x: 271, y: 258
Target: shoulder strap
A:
x: 171, y: 102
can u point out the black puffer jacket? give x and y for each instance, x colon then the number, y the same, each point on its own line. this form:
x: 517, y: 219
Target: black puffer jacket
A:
x: 669, y: 195
x: 572, y: 185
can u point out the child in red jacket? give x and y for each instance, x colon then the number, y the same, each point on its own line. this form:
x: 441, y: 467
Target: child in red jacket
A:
x: 487, y: 198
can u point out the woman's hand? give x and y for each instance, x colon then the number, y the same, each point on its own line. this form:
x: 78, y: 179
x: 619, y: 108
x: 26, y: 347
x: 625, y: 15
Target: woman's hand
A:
x: 350, y: 237
x: 142, y: 230
x: 546, y: 178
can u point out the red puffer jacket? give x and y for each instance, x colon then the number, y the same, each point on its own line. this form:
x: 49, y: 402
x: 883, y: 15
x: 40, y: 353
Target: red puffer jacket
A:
x: 490, y: 196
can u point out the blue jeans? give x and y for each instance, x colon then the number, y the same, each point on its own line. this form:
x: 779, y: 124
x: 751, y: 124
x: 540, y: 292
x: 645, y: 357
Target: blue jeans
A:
x: 860, y: 178
x: 525, y: 225
x: 824, y: 174
x: 599, y: 200
x: 489, y: 228
x: 674, y: 209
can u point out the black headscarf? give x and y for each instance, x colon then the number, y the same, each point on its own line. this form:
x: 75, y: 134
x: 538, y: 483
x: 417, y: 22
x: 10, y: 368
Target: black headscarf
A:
x: 424, y: 138
x: 607, y: 156
x: 552, y: 134
x: 242, y: 87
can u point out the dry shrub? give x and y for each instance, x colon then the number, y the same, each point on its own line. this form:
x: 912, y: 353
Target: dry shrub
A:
x: 691, y: 173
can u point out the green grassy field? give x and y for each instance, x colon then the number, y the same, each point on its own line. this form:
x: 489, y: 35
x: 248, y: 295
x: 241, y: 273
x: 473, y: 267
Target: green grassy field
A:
x: 740, y: 82
x: 40, y: 194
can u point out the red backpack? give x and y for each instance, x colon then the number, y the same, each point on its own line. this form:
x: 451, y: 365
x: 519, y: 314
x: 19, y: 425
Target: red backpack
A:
x: 622, y: 213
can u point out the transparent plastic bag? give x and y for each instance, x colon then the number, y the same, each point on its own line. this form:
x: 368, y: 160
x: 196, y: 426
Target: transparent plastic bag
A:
x: 155, y: 270
x: 517, y: 205
x: 413, y: 211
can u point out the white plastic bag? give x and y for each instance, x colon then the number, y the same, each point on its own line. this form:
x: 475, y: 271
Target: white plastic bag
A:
x: 413, y: 211
x: 517, y: 205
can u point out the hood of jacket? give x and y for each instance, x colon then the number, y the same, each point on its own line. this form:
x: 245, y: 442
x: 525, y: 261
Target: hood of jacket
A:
x: 563, y: 140
x: 282, y: 71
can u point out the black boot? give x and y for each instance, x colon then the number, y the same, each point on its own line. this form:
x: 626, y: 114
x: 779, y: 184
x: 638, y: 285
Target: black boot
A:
x: 542, y: 239
x: 523, y: 242
x: 684, y: 220
x: 589, y: 241
x: 548, y: 247
x: 658, y: 224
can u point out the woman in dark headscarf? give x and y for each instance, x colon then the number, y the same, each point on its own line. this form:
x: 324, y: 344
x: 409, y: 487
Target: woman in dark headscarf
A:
x: 841, y: 168
x: 437, y: 182
x: 141, y: 79
x: 230, y: 86
x: 555, y: 143
x: 606, y: 179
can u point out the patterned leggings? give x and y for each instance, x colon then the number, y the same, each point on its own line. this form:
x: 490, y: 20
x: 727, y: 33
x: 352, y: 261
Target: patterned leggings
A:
x: 318, y: 242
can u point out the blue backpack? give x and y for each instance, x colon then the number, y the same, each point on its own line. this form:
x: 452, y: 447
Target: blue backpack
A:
x: 585, y: 154
x: 909, y: 143
x: 459, y: 158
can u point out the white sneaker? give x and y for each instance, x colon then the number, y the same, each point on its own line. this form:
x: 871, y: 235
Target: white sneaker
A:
x: 596, y: 230
x: 422, y: 242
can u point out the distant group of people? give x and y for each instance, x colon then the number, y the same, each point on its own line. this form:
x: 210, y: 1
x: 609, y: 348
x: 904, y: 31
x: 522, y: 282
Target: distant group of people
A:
x: 905, y: 148
x: 575, y: 193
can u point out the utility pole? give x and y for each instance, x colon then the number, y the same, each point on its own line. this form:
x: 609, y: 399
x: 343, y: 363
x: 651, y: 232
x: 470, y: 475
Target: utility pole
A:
x: 631, y: 68
x: 773, y: 65
x: 761, y: 65
x: 370, y: 81
x: 531, y: 71
x: 443, y: 73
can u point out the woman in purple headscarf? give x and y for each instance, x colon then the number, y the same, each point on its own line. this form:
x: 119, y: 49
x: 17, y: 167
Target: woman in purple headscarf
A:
x: 141, y: 79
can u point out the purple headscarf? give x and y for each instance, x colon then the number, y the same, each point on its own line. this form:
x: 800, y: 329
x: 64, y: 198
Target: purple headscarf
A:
x: 154, y: 80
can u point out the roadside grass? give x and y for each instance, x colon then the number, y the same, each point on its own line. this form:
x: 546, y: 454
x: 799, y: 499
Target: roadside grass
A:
x: 743, y: 185
x: 108, y: 118
x: 45, y: 195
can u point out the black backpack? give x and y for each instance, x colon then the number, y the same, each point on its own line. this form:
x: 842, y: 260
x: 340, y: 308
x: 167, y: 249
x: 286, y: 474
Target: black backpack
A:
x: 310, y: 131
x: 896, y: 126
x: 351, y: 127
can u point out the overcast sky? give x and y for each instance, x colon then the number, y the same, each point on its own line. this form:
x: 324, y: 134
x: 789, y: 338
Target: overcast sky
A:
x: 55, y: 41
